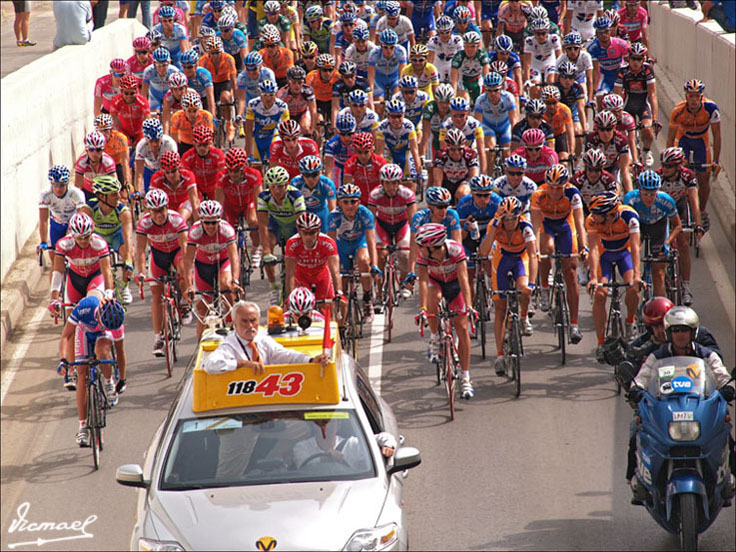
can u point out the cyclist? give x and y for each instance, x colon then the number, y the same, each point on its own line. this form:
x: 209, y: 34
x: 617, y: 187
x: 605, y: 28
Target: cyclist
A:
x: 213, y: 251
x: 573, y: 53
x: 116, y: 146
x: 129, y: 109
x: 339, y: 148
x: 540, y: 53
x: 511, y: 22
x: 414, y: 101
x: 538, y: 156
x: 425, y: 73
x: 148, y: 152
x: 504, y: 51
x: 607, y: 53
x: 273, y: 17
x: 204, y: 160
x: 613, y: 235
x: 290, y: 147
x: 658, y: 220
x: 581, y: 15
x: 471, y: 127
x: 593, y: 179
x: 312, y: 260
x: 179, y: 184
x: 233, y: 39
x: 496, y: 109
x: 165, y: 231
x: 557, y: 216
x: 178, y: 86
x: 191, y: 115
x: 320, y: 195
x: 509, y: 84
x: 141, y: 58
x: 559, y: 116
x: 443, y: 47
x: 108, y: 86
x: 689, y: 124
x: 512, y: 241
x: 634, y: 19
x: 422, y: 17
x: 323, y: 80
x: 625, y: 124
x: 636, y: 80
x: 472, y: 64
x: 299, y: 97
x: 534, y: 110
x: 398, y: 135
x: 455, y: 165
x: 307, y: 58
x: 443, y: 273
x: 360, y: 50
x: 156, y: 78
x: 463, y: 18
x: 488, y: 19
x: 400, y: 24
x: 572, y: 95
x: 276, y: 57
x: 540, y: 12
x: 352, y: 226
x: 385, y: 65
x: 513, y: 183
x: 261, y: 117
x: 343, y: 38
x: 614, y: 146
x: 249, y: 79
x: 93, y: 326
x: 318, y: 29
x: 92, y: 163
x: 278, y: 207
x: 366, y: 120
x: 363, y: 168
x: 222, y: 68
x: 173, y: 35
x: 58, y: 203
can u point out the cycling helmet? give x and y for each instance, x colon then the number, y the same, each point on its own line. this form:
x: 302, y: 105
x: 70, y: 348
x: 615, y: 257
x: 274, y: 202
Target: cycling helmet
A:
x: 637, y: 49
x: 567, y: 69
x: 613, y: 102
x: 461, y: 14
x: 381, y: 5
x: 459, y: 104
x: 550, y: 92
x: 510, y: 207
x: 270, y: 36
x: 358, y: 96
x: 253, y: 59
x: 420, y: 50
x: 500, y: 67
x: 572, y: 38
x: 117, y: 65
x: 277, y: 176
x: 202, y: 134
x: 393, y: 8
x: 161, y: 55
x: 391, y: 172
x: 535, y: 107
x: 431, y: 235
x: 408, y: 82
x: 439, y: 197
x: 155, y: 37
x: 360, y: 33
x: 153, y: 129
x: 681, y: 316
x: 105, y: 184
x: 556, y: 175
x: 539, y: 25
x: 655, y: 309
x: 695, y: 85
x: 455, y: 137
x: 112, y: 313
x: 272, y: 7
x: 325, y: 61
x: 345, y: 123
x: 313, y: 13
x: 267, y: 87
x: 347, y: 16
x: 166, y: 12
x: 515, y: 161
x: 481, y: 183
x: 310, y: 164
x: 601, y: 23
x: 214, y: 44
x: 672, y: 155
x: 605, y: 119
x: 604, y: 203
x: 395, y: 106
x: 236, y: 158
x: 129, y: 82
x: 504, y: 43
x: 348, y: 191
x: 301, y: 300
x: 210, y: 209
x: 170, y: 161
x: 308, y: 221
x: 613, y: 16
x: 388, y: 37
x: 81, y: 225
x: 95, y: 140
x: 217, y: 5
x: 307, y: 48
x: 59, y: 173
x: 226, y: 22
x: 347, y: 68
x: 649, y: 180
x: 104, y: 121
x: 538, y: 12
x: 190, y: 100
x: 493, y: 80
x: 594, y: 159
x: 189, y: 57
x: 142, y: 43
x: 444, y: 92
x: 205, y: 31
x: 178, y: 80
x: 363, y: 140
x: 444, y: 23
x: 289, y: 128
x: 156, y: 199
x: 471, y: 37
x: 533, y: 137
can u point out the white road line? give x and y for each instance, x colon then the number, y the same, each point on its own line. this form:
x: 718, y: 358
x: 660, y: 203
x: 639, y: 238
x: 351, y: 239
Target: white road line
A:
x: 375, y: 355
x: 722, y: 282
x: 29, y: 336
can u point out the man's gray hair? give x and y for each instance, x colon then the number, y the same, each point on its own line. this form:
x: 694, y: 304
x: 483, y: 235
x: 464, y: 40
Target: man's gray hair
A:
x: 246, y: 305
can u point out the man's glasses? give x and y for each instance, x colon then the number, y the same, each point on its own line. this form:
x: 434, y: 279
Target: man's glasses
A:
x: 455, y: 148
x: 131, y: 93
x: 482, y: 194
x: 350, y: 201
x: 91, y: 150
x: 535, y: 148
x: 636, y: 58
x: 172, y: 171
x: 606, y: 129
x: 347, y: 133
x: 395, y: 116
x: 310, y: 232
x: 418, y: 60
x: 534, y: 116
x: 309, y: 57
x: 158, y: 211
x: 251, y: 68
x: 671, y: 165
x: 572, y: 47
x: 141, y: 52
x: 440, y: 207
x: 167, y: 20
x: 593, y: 169
x: 516, y: 173
x: 388, y: 46
x: 210, y: 222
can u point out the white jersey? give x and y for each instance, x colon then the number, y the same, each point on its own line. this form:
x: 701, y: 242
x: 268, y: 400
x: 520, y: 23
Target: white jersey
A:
x: 368, y: 123
x: 543, y: 55
x: 403, y: 28
x: 523, y: 192
x: 360, y: 59
x: 144, y: 153
x: 583, y: 14
x: 443, y: 54
x: 583, y: 64
x: 62, y: 209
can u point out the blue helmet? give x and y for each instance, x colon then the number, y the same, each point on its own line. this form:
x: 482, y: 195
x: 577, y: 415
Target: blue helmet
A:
x: 161, y: 54
x: 189, y: 57
x: 217, y: 4
x: 345, y: 123
x: 408, y: 82
x: 396, y: 106
x: 504, y: 43
x: 347, y: 17
x: 515, y: 162
x: 153, y: 129
x: 393, y: 8
x: 267, y: 87
x: 388, y: 37
x: 438, y: 196
x: 602, y: 23
x: 253, y: 58
x: 166, y: 12
x: 493, y: 80
x: 112, y: 314
x: 348, y: 191
x: 381, y: 5
x: 649, y: 180
x: 444, y: 23
x: 459, y: 104
x: 481, y: 183
x: 310, y: 164
x: 358, y: 96
x: 572, y: 38
x: 59, y: 173
x: 361, y: 33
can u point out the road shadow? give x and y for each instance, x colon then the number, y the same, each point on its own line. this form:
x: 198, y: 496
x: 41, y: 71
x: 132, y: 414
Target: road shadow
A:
x: 51, y: 467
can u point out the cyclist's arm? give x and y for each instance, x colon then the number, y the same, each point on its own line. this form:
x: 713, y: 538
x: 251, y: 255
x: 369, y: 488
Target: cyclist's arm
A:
x: 333, y: 263
x: 589, y: 85
x: 457, y: 235
x: 106, y: 270
x: 716, y: 130
x: 536, y: 216
x: 579, y: 219
x: 438, y: 174
x: 635, y: 242
x: 372, y: 76
x: 380, y: 146
x: 335, y: 108
x: 624, y: 164
x: 694, y: 202
x: 249, y: 123
x: 411, y: 210
x: 570, y: 131
x: 653, y: 101
x: 333, y: 39
x: 58, y: 269
x: 370, y: 238
x: 426, y: 134
x: 329, y: 162
x: 194, y: 199
x: 43, y: 224
x: 462, y: 278
x: 98, y: 105
x: 631, y: 139
x: 596, y: 73
x: 566, y: 21
x: 480, y: 145
x: 126, y: 168
x: 526, y: 62
x: 415, y: 153
x: 210, y: 92
x: 66, y: 343
x: 166, y: 116
x: 141, y: 241
x: 593, y: 257
x: 139, y: 166
x: 454, y: 76
x: 645, y: 36
x: 126, y: 220
x: 239, y: 100
x: 517, y: 79
x: 290, y: 264
x: 675, y: 225
x: 513, y: 116
x: 671, y: 133
x: 531, y: 251
x: 423, y: 275
x: 144, y: 89
x: 220, y: 195
x: 581, y: 115
x: 263, y: 231
x: 232, y: 253
x: 485, y: 245
x: 79, y: 181
x: 86, y: 209
x: 188, y: 262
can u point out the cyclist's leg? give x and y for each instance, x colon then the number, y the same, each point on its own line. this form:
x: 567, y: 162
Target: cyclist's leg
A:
x: 364, y: 263
x: 225, y: 278
x: 658, y: 235
x: 683, y: 241
x: 273, y: 231
x: 604, y: 275
x: 103, y: 351
x: 490, y: 143
x: 84, y: 345
x: 647, y: 133
x: 546, y: 247
x: 520, y: 268
x: 500, y: 265
x: 124, y: 252
x: 382, y: 240
x: 566, y: 242
x: 434, y: 296
x: 626, y: 269
x: 204, y: 280
x: 460, y: 323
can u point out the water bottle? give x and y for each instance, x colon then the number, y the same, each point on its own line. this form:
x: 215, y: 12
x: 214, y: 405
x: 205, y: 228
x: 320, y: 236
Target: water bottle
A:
x: 474, y: 232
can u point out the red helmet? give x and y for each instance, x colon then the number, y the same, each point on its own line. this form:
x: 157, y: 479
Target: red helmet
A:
x: 236, y: 158
x: 202, y: 134
x: 363, y: 140
x: 117, y: 65
x: 655, y: 309
x: 128, y: 82
x: 170, y: 161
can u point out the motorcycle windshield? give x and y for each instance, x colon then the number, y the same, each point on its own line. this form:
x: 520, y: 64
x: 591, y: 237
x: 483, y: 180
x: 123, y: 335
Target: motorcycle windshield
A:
x: 681, y: 375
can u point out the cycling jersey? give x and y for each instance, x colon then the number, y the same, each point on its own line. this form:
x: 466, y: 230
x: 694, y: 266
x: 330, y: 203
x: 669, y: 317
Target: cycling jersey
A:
x: 350, y: 233
x: 609, y: 61
x: 61, y: 209
x: 298, y: 103
x: 315, y: 199
x: 454, y: 172
x: 571, y: 97
x: 131, y: 116
x: 105, y: 90
x: 431, y: 113
x: 684, y: 180
x: 513, y: 62
x: 221, y: 70
x: 323, y: 91
x: 366, y: 177
x: 489, y: 10
x: 157, y: 85
x: 535, y: 169
x: 397, y: 141
x: 425, y: 79
x: 391, y: 211
x: 165, y: 237
x: 178, y: 14
x: 544, y: 55
x: 523, y: 125
x: 422, y: 217
x: 514, y: 23
x: 311, y: 264
x: 282, y: 218
x: 367, y: 123
x: 108, y: 226
x: 360, y: 59
x: 588, y: 189
x: 135, y: 67
x: 470, y: 71
x: 234, y: 44
x: 444, y: 52
x: 143, y: 152
x: 89, y: 329
x: 443, y: 271
x: 694, y: 125
x: 387, y: 66
x: 495, y: 117
x: 250, y: 85
x: 413, y: 110
x: 84, y: 167
x: 614, y: 236
x: 183, y: 131
x: 179, y: 196
x: 205, y: 169
x: 117, y: 146
x: 211, y: 249
x: 613, y: 151
x: 582, y: 64
x: 626, y: 123
x: 172, y: 42
x: 282, y: 23
x: 342, y: 90
x: 280, y: 157
x: 663, y: 207
x: 523, y: 192
x: 403, y: 28
x: 265, y: 122
x: 422, y: 16
x: 280, y: 65
x: 556, y: 209
x: 584, y: 13
x: 635, y: 24
x: 201, y: 81
x: 82, y: 261
x: 340, y: 153
x: 509, y: 253
x: 467, y: 208
x: 320, y: 36
x: 472, y: 130
x: 635, y: 87
x: 240, y: 197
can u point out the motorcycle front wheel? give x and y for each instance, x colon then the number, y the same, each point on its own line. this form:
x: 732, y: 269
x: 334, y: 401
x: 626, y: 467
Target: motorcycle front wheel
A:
x: 688, y: 522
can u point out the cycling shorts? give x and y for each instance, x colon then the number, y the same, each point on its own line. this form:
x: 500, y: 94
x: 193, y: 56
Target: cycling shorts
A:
x: 114, y: 240
x: 252, y: 25
x: 162, y: 261
x: 657, y: 234
x: 452, y: 188
x: 78, y: 287
x: 500, y: 266
x: 563, y: 235
x: 502, y: 133
x: 622, y: 259
x: 561, y: 144
x: 220, y: 87
x: 56, y: 231
x: 385, y: 85
x: 404, y: 160
x: 422, y: 24
x: 281, y: 230
x: 232, y: 213
x: 262, y: 152
x: 700, y: 149
x: 84, y: 341
x: 393, y: 233
x: 147, y: 174
x: 205, y: 273
x: 452, y: 293
x: 683, y: 209
x: 347, y: 250
x: 324, y: 108
x: 471, y: 86
x: 608, y: 80
x: 322, y: 283
x: 639, y: 110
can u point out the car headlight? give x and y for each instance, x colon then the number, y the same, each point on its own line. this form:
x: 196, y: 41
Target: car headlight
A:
x: 378, y: 538
x: 684, y: 431
x: 151, y: 545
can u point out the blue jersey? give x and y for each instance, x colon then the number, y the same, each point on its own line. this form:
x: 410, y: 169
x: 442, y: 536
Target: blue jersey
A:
x: 83, y: 315
x: 250, y: 85
x: 390, y: 66
x: 495, y: 116
x: 236, y: 42
x: 663, y: 207
x: 471, y: 27
x: 350, y: 231
x: 513, y: 62
x: 316, y: 199
x: 201, y: 82
x: 172, y: 43
x: 340, y: 152
x: 158, y: 86
x: 466, y: 207
x: 451, y: 220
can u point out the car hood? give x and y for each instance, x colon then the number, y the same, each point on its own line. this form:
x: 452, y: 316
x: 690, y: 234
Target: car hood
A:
x: 305, y: 516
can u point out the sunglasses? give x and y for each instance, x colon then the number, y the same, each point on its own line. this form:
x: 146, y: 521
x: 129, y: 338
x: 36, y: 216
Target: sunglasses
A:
x: 550, y: 102
x: 362, y: 151
x: 606, y: 129
x: 679, y: 329
x: 387, y: 46
x: 59, y: 184
x: 357, y: 105
x: 350, y: 201
x: 534, y: 116
x: 516, y: 173
x: 537, y: 148
x: 95, y: 149
x: 540, y: 33
x: 325, y: 70
x: 347, y: 133
x: 440, y: 207
x: 395, y: 116
x: 482, y: 194
x: 445, y: 32
x: 133, y: 93
x: 417, y: 60
x: 309, y: 57
x: 636, y: 58
x: 593, y: 169
x: 455, y: 148
x: 141, y: 52
x: 172, y: 171
x: 251, y: 68
x: 310, y: 232
x: 158, y: 211
x: 210, y: 222
x: 671, y: 165
x: 572, y: 47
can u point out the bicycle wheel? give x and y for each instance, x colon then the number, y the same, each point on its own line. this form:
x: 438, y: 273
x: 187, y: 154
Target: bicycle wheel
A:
x: 481, y: 299
x: 515, y: 347
x: 560, y: 322
x: 388, y: 298
x: 449, y: 369
x: 93, y: 411
x: 245, y: 264
x: 174, y: 328
x: 168, y: 339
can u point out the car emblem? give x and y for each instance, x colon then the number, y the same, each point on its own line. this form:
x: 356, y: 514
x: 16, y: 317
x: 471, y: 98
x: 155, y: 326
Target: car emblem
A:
x: 266, y: 543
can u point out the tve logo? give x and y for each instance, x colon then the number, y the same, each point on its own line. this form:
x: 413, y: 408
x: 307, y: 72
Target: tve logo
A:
x: 682, y: 384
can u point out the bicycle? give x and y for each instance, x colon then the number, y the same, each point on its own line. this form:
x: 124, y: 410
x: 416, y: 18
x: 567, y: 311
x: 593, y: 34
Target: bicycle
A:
x: 513, y: 347
x: 482, y: 301
x: 499, y: 165
x: 216, y: 311
x: 221, y: 130
x: 558, y: 311
x: 614, y: 322
x: 246, y: 263
x: 171, y: 323
x: 351, y: 328
x: 278, y: 260
x: 391, y: 287
x: 646, y: 278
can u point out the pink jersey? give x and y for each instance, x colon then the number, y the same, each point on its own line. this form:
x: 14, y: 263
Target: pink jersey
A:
x: 179, y: 196
x: 211, y: 249
x: 634, y: 25
x: 535, y: 169
x: 178, y: 15
x: 83, y: 261
x: 164, y: 238
x: 104, y: 89
x: 311, y: 263
x: 514, y: 23
x: 135, y: 67
x: 279, y: 155
x: 626, y: 124
x: 446, y: 270
x: 84, y: 167
x: 392, y: 210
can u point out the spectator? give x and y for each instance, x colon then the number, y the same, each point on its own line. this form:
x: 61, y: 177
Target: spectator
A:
x: 20, y: 25
x: 73, y: 22
x: 723, y: 12
x: 123, y: 11
x: 145, y: 11
x: 99, y: 13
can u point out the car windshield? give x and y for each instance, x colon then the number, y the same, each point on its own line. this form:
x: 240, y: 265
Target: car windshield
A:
x: 267, y: 448
x: 681, y: 375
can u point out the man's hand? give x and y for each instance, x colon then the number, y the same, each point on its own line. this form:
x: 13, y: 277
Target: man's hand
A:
x: 375, y: 271
x: 323, y: 359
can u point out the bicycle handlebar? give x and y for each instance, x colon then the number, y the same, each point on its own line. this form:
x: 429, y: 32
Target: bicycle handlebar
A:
x: 560, y: 256
x: 91, y: 362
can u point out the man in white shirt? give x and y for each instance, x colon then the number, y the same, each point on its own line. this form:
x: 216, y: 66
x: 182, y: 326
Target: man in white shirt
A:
x: 73, y: 22
x: 248, y: 347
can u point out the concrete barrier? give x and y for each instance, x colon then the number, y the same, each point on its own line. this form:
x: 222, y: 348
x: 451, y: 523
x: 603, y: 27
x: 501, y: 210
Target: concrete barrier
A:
x: 46, y: 109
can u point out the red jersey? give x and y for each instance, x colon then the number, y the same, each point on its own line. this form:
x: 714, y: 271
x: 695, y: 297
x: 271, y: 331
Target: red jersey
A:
x: 84, y: 167
x: 239, y: 197
x: 211, y: 249
x: 131, y: 116
x: 135, y: 67
x: 366, y: 177
x: 82, y: 261
x: 105, y: 90
x: 311, y: 263
x: 205, y: 169
x: 445, y: 270
x: 279, y: 155
x: 392, y: 210
x: 164, y: 238
x: 179, y: 196
x: 626, y: 123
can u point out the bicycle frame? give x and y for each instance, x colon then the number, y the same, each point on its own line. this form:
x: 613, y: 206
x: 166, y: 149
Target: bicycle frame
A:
x: 391, y: 285
x: 559, y: 312
x: 171, y: 307
x: 481, y: 302
x: 351, y: 327
x: 513, y: 347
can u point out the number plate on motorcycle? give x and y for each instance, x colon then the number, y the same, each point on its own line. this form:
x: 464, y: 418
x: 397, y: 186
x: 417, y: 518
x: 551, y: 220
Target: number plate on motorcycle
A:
x: 682, y: 416
x: 666, y: 371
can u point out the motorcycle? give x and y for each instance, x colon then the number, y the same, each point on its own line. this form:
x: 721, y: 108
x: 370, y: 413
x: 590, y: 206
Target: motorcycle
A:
x: 682, y: 452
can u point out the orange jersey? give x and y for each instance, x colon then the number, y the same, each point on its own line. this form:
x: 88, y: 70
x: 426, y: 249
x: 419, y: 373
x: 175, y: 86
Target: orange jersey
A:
x: 561, y: 117
x: 116, y: 146
x: 182, y: 129
x: 694, y: 125
x: 280, y: 66
x: 514, y: 242
x: 556, y: 209
x: 224, y: 71
x: 614, y: 236
x: 322, y: 89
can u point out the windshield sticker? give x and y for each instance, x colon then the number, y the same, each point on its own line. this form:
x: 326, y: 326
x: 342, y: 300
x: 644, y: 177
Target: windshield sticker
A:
x: 209, y: 424
x: 682, y: 384
x: 666, y: 388
x: 342, y: 415
x: 666, y: 371
x: 693, y: 370
x: 682, y: 416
